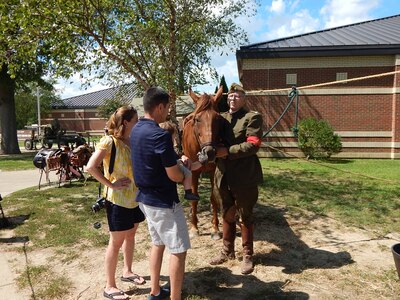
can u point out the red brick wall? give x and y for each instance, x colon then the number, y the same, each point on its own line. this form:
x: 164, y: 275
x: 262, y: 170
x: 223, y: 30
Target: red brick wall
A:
x: 357, y: 112
x: 77, y: 121
x: 343, y: 112
x: 276, y: 78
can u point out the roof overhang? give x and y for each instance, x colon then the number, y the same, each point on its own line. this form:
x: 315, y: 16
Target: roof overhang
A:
x: 244, y: 52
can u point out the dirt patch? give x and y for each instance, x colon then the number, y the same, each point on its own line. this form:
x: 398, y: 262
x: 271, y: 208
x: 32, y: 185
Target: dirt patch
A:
x: 297, y: 257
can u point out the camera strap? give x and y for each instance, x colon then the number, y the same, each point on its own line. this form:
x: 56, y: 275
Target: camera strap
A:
x: 112, y: 157
x: 111, y: 165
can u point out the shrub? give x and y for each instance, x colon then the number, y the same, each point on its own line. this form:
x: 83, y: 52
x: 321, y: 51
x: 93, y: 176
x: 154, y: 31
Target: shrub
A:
x: 317, y: 139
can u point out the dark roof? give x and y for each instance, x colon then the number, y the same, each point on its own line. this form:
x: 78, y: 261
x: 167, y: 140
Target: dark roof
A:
x: 130, y: 95
x: 380, y: 36
x: 95, y: 99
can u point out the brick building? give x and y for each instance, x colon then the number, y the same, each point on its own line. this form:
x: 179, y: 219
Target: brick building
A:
x: 80, y: 113
x: 365, y: 113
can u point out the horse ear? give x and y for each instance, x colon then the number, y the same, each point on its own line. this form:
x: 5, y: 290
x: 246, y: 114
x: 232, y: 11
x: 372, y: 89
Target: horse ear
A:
x: 193, y: 95
x: 218, y: 95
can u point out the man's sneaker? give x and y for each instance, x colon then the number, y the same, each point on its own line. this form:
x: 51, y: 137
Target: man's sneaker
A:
x: 164, y: 293
x: 190, y: 196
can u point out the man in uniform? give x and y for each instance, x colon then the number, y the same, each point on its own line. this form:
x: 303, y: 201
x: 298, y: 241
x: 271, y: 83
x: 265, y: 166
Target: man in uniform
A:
x: 237, y: 176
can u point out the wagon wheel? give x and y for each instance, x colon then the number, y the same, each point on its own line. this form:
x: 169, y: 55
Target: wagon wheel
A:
x: 28, y: 144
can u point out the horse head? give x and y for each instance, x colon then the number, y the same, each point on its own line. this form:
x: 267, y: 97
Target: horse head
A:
x: 201, y: 128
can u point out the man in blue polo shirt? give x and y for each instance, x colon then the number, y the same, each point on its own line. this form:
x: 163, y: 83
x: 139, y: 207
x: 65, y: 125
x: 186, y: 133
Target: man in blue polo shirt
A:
x: 156, y: 173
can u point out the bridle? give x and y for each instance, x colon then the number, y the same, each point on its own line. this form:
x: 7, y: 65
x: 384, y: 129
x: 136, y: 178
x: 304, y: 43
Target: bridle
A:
x: 202, y: 145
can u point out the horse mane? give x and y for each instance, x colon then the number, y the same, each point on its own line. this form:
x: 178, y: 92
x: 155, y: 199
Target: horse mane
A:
x: 206, y: 103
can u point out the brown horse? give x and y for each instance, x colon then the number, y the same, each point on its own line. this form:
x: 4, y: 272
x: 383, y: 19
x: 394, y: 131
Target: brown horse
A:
x: 201, y: 135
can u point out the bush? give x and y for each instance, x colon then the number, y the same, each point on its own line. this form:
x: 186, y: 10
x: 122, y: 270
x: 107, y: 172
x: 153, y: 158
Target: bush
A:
x: 317, y: 139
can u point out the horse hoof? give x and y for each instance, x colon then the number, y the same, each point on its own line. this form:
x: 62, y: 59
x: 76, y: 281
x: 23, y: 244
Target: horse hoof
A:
x: 216, y: 236
x: 193, y: 233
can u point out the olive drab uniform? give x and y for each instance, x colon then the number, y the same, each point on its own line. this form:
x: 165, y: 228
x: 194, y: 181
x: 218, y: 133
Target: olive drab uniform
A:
x: 242, y: 167
x: 237, y: 177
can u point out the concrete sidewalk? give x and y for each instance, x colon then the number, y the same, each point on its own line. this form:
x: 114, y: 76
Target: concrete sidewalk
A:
x: 12, y: 181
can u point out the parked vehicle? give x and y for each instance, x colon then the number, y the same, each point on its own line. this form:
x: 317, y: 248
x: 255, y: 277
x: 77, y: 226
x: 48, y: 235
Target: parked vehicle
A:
x: 49, y: 136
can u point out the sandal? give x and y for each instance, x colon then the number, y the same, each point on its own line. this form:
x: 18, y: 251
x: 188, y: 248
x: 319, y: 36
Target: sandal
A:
x: 112, y: 295
x: 135, y: 279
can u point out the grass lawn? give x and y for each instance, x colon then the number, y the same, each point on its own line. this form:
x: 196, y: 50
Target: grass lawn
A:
x: 363, y: 193
x: 14, y: 162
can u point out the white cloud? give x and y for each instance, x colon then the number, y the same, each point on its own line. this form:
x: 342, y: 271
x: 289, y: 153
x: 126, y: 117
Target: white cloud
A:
x: 277, y: 6
x: 281, y: 26
x: 342, y: 12
x: 73, y: 86
x: 228, y: 68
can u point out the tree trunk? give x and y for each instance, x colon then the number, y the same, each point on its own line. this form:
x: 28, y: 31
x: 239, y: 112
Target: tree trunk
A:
x: 8, y: 122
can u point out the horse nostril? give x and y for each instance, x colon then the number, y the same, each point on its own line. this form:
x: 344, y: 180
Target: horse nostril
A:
x: 210, y: 152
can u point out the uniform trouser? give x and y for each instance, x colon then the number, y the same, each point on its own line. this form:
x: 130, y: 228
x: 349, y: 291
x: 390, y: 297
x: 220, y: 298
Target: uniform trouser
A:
x: 239, y: 200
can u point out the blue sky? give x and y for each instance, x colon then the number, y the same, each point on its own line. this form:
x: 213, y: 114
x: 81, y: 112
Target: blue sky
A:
x: 276, y: 19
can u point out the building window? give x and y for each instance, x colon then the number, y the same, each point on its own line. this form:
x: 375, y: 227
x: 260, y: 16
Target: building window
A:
x: 49, y: 115
x: 341, y: 76
x: 62, y: 115
x: 291, y: 78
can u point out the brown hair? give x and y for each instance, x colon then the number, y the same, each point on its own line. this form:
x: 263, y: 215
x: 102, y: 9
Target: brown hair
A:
x: 115, y: 124
x: 168, y: 126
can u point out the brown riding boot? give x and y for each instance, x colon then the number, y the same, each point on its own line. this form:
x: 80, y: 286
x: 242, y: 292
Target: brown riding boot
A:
x: 228, y: 247
x: 247, y: 265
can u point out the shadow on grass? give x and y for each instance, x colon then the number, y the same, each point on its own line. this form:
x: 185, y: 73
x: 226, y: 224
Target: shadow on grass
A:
x: 217, y: 283
x: 292, y: 254
x: 13, y: 222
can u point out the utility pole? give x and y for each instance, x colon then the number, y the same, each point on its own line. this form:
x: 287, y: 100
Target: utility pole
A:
x: 38, y: 107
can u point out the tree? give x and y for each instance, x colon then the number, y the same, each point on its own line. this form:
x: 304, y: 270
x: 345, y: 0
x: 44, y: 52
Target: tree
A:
x: 24, y: 57
x: 26, y: 103
x: 223, y: 103
x: 152, y: 42
x: 109, y: 106
x: 149, y: 42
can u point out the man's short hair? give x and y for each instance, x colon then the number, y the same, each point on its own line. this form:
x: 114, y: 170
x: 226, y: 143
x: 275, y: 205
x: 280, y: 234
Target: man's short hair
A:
x: 153, y: 97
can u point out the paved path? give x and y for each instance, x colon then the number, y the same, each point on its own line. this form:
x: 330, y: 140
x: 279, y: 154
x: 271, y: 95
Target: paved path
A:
x: 11, y: 181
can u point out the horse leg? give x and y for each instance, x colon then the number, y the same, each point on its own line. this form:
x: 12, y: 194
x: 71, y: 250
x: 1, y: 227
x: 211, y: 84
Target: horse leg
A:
x: 215, y: 234
x: 194, y: 230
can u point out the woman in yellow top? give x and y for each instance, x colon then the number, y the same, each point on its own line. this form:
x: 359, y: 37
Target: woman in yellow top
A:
x: 123, y: 212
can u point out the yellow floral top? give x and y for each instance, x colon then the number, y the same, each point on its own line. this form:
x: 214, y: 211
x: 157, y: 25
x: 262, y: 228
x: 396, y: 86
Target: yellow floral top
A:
x: 122, y: 168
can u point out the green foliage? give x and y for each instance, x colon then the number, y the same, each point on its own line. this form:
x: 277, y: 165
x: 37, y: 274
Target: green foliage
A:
x: 166, y: 43
x: 223, y: 103
x: 317, y: 139
x: 110, y: 106
x: 26, y: 103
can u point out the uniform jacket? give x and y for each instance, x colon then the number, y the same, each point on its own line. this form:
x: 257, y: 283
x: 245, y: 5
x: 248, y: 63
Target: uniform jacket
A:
x: 242, y: 166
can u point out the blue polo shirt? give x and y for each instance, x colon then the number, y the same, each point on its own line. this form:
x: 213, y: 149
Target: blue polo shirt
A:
x: 152, y: 151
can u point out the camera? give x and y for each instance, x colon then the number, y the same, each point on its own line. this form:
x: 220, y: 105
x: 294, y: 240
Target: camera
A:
x: 99, y: 204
